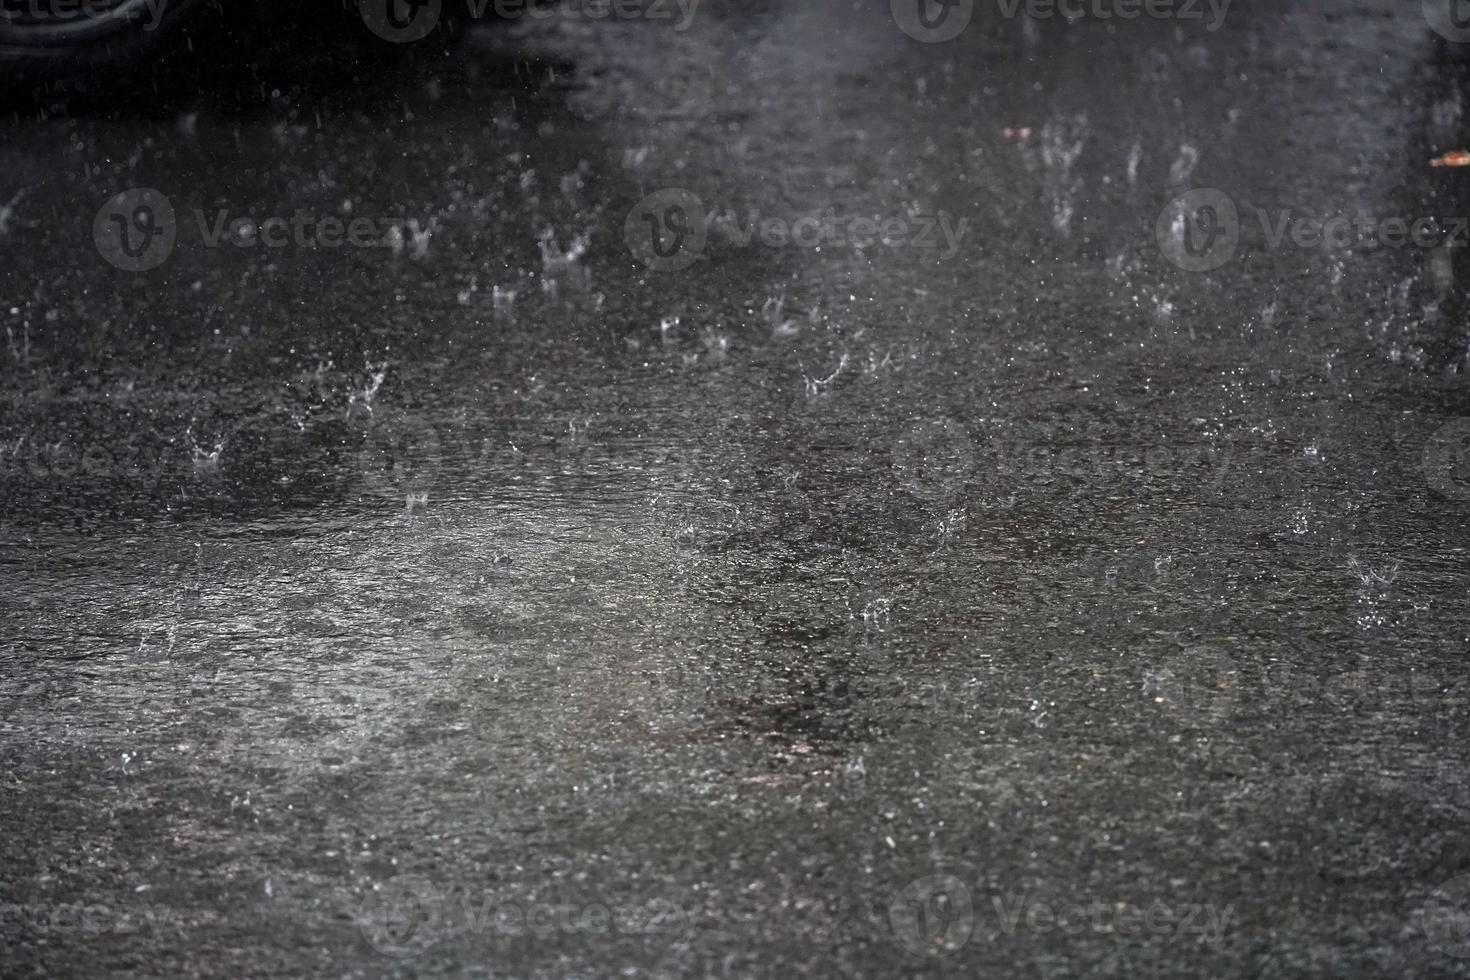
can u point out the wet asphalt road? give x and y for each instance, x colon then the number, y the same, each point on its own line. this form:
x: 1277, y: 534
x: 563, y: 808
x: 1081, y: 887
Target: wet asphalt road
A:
x: 627, y: 560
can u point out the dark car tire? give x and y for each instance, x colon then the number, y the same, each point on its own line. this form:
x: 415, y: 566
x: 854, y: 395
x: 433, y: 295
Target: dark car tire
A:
x: 134, y: 56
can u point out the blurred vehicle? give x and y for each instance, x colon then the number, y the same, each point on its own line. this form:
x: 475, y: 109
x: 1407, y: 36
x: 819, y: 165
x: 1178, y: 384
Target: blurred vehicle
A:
x: 50, y: 40
x: 45, y: 38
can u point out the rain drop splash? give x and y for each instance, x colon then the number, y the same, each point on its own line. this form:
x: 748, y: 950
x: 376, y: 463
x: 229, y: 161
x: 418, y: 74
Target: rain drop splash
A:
x: 717, y: 345
x: 365, y: 395
x: 814, y: 386
x: 1372, y: 579
x: 1374, y: 585
x: 1268, y: 316
x: 1445, y: 117
x: 558, y: 266
x: 411, y: 239
x: 949, y: 526
x: 876, y: 615
x: 774, y: 308
x: 205, y: 461
x: 574, y: 183
x: 502, y: 299
x: 1183, y: 166
x: 7, y: 212
x: 1442, y: 271
x: 873, y: 365
x: 466, y: 294
x: 774, y: 313
x: 1062, y: 141
x: 13, y: 451
x: 1030, y: 31
x: 1163, y: 310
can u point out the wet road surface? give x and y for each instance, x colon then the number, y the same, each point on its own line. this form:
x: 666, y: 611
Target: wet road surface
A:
x: 766, y: 496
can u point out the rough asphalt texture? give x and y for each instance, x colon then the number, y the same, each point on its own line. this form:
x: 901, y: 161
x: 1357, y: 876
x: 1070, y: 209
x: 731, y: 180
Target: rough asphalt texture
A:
x: 1020, y: 605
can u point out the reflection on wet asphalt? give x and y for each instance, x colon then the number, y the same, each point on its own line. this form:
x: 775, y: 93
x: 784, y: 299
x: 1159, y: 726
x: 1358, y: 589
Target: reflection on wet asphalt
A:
x: 1043, y: 579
